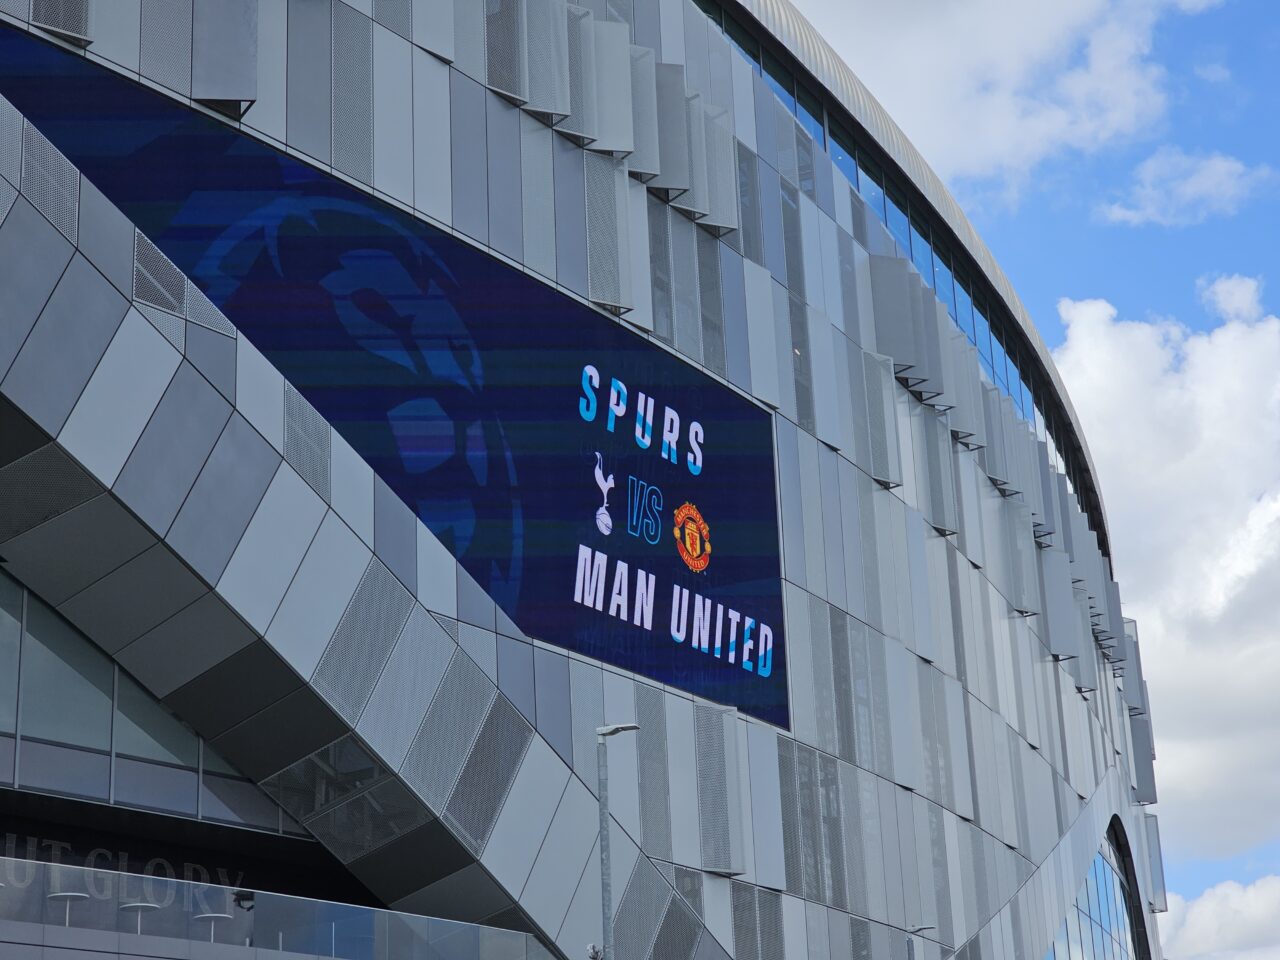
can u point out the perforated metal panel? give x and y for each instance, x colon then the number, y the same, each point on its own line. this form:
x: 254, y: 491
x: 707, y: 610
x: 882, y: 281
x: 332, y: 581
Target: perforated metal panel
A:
x: 746, y: 936
x: 651, y: 747
x: 452, y: 723
x: 8, y: 194
x: 171, y: 327
x: 38, y: 487
x: 16, y: 8
x: 661, y: 281
x: 886, y: 465
x: 687, y: 307
x: 791, y: 852
x: 325, y: 778
x: 166, y: 43
x: 640, y: 911
x: 860, y: 938
x: 722, y: 186
x: 580, y: 123
x: 394, y: 713
x: 715, y: 792
x: 11, y: 124
x: 709, y: 297
x: 694, y: 202
x: 362, y: 642
x: 769, y: 920
x: 486, y: 778
x: 369, y: 821
x: 468, y: 38
x: 815, y: 887
x: 854, y: 856
x: 156, y: 281
x: 307, y: 441
x: 67, y: 18
x: 449, y: 624
x: 678, y: 933
x: 395, y: 15
x: 202, y: 311
x: 352, y: 92
x: 604, y: 270
x: 644, y: 162
x: 50, y: 182
x: 506, y: 46
x: 688, y: 884
x: 547, y: 57
x: 832, y: 814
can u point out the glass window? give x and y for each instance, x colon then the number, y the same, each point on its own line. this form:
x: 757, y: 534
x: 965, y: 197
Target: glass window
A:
x: 943, y: 282
x: 10, y: 640
x: 66, y: 683
x: 81, y: 773
x: 741, y: 40
x: 156, y: 786
x: 1000, y: 362
x: 982, y: 332
x: 232, y: 800
x: 843, y: 153
x: 896, y: 220
x: 870, y: 185
x: 964, y: 307
x: 780, y: 80
x: 810, y: 114
x: 144, y: 729
x: 921, y: 252
x: 711, y: 8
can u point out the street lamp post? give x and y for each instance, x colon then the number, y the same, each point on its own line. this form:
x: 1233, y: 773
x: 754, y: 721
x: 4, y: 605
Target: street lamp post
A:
x: 606, y: 878
x: 911, y: 938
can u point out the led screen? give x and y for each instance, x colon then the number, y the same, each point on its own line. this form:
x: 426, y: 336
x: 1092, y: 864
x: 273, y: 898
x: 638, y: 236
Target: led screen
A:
x: 611, y: 498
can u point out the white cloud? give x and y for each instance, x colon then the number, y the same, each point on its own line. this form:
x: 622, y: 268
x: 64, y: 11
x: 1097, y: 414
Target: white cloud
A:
x: 1226, y: 922
x: 1213, y: 72
x: 1232, y: 297
x: 1184, y: 426
x: 1172, y: 188
x: 987, y: 89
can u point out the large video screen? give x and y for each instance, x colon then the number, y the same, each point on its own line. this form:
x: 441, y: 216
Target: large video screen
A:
x: 611, y: 498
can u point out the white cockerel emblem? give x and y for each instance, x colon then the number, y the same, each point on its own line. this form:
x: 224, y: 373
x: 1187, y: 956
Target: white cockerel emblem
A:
x: 603, y: 520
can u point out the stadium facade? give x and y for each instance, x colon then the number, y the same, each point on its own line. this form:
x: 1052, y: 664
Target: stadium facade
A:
x: 392, y: 392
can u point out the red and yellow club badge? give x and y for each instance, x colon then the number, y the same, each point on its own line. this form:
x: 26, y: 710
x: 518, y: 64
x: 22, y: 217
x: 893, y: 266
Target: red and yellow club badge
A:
x: 693, y: 538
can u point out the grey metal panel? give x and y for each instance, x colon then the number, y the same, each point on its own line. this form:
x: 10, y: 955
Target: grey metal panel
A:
x: 309, y: 80
x: 487, y: 775
x: 675, y: 174
x: 351, y: 484
x: 814, y: 531
x: 64, y: 347
x: 552, y: 692
x: 686, y: 301
x: 315, y: 600
x: 570, y: 215
x: 467, y: 103
x: 273, y: 545
x: 538, y: 196
x: 395, y: 534
x: 603, y: 177
x: 614, y: 120
x: 172, y: 449
x: 50, y: 182
x: 735, y: 309
x: 116, y: 29
x: 33, y: 255
x: 214, y: 355
x: 791, y: 500
x: 506, y: 25
x: 469, y: 54
x: 640, y: 911
x: 432, y: 141
x: 267, y: 113
x: 119, y: 398
x: 653, y: 778
x: 682, y: 774
x: 223, y: 499
x: 761, y: 336
x: 166, y: 43
x: 515, y: 675
x: 406, y: 686
x: 547, y: 59
x: 353, y: 111
x: 437, y: 574
x: 433, y: 27
x: 481, y: 645
x: 224, y: 55
x: 645, y: 160
x: 717, y: 790
x: 393, y: 161
x: 710, y: 302
x: 526, y: 816
x: 506, y: 211
x: 565, y: 851
x: 307, y: 440
x: 260, y: 393
x: 581, y: 122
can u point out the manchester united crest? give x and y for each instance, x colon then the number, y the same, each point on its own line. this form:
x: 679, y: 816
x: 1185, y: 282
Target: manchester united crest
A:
x: 693, y: 538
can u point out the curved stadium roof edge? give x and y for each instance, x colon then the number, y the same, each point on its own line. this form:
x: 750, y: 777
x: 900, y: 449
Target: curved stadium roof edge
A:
x: 789, y: 27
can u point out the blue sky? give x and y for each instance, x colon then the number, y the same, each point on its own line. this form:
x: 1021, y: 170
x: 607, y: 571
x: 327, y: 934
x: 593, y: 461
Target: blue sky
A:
x: 1121, y: 158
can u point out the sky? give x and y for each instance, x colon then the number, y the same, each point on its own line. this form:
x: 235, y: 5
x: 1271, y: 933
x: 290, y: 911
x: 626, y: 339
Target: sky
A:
x: 1121, y: 158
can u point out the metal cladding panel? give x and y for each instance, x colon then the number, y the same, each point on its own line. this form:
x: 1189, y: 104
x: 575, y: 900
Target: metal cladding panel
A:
x: 363, y: 641
x: 604, y: 179
x: 695, y: 203
x: 746, y: 924
x: 395, y: 15
x: 645, y: 161
x: 678, y: 934
x: 224, y: 55
x: 537, y: 195
x: 722, y: 199
x: 640, y: 911
x: 68, y: 19
x: 655, y: 787
x: 307, y: 442
x: 51, y: 182
x: 393, y: 120
x: 433, y: 27
x: 580, y: 124
x: 469, y: 46
x: 507, y: 48
x: 486, y: 778
x: 166, y: 43
x: 614, y: 117
x: 893, y: 306
x: 352, y: 93
x: 886, y: 459
x: 546, y: 59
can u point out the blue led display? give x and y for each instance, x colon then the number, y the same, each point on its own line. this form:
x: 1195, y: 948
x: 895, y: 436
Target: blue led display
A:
x: 613, y: 499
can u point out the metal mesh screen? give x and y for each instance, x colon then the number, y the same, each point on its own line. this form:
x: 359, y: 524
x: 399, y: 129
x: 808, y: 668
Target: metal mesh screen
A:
x: 50, y: 182
x: 604, y: 275
x: 505, y: 47
x: 581, y: 61
x: 769, y: 920
x: 547, y: 56
x: 395, y: 15
x: 200, y: 309
x: 678, y: 933
x: 854, y: 857
x: 713, y: 788
x: 450, y: 727
x: 449, y: 624
x: 655, y: 788
x: 307, y: 441
x: 67, y: 17
x: 16, y: 8
x: 352, y: 93
x: 11, y: 125
x: 8, y: 194
x: 688, y: 884
x: 842, y: 682
x: 832, y: 813
x: 709, y: 298
x: 860, y: 938
x: 791, y: 855
x: 810, y: 824
x: 883, y: 428
x: 156, y: 281
x: 660, y: 265
x: 486, y: 778
x: 166, y: 43
x: 684, y: 275
x: 746, y: 937
x: 172, y: 328
x: 38, y: 487
x: 640, y: 911
x: 325, y: 778
x: 369, y: 821
x: 362, y: 642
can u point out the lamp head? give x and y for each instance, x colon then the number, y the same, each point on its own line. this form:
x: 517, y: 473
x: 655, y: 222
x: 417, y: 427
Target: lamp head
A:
x: 615, y: 728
